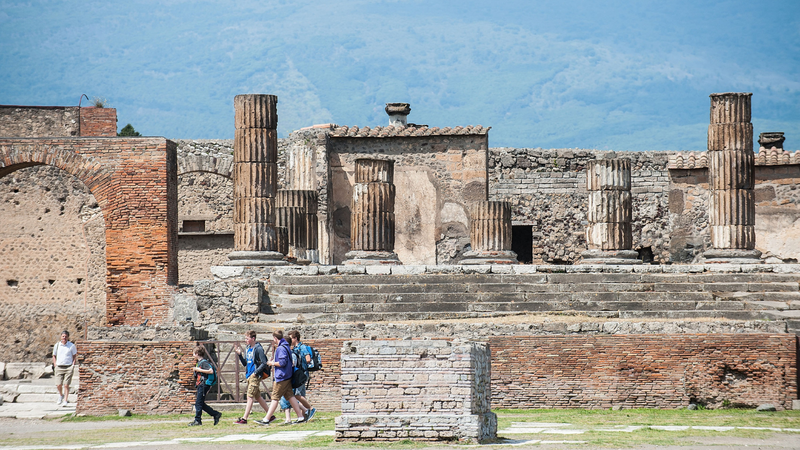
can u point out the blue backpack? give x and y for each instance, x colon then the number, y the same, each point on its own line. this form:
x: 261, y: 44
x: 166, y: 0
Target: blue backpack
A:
x: 211, y: 379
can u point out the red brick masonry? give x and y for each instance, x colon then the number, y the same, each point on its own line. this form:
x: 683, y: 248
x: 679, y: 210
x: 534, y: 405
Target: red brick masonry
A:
x: 642, y: 371
x: 98, y: 122
x: 134, y: 180
x: 601, y: 371
x: 144, y: 377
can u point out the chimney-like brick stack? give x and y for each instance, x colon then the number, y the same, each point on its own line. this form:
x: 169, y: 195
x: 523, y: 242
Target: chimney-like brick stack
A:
x: 100, y: 122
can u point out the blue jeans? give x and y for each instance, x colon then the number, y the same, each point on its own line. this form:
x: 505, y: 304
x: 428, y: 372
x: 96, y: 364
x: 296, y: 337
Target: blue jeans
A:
x: 301, y: 391
x: 200, y: 403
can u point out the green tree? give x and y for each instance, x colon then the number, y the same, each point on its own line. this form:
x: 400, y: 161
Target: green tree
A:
x: 128, y: 130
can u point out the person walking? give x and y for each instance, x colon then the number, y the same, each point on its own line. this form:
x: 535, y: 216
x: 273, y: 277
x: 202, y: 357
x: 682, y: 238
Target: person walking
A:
x: 303, y: 359
x: 282, y: 379
x: 64, y: 355
x: 255, y: 362
x: 205, y: 379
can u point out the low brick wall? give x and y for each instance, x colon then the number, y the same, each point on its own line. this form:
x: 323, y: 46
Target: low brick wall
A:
x: 144, y: 377
x: 418, y: 390
x: 632, y: 371
x: 644, y: 371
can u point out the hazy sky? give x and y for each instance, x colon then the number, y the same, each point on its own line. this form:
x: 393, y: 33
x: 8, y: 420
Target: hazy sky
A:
x: 622, y: 75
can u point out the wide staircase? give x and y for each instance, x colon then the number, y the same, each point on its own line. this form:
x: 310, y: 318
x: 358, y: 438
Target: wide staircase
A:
x: 373, y: 298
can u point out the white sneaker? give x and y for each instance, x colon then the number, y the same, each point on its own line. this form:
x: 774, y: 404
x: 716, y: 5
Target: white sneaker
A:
x: 65, y: 404
x: 60, y: 400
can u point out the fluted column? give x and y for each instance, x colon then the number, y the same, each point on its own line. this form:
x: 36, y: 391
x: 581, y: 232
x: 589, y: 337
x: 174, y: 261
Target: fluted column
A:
x: 255, y: 177
x: 293, y: 218
x: 731, y: 181
x: 608, y: 234
x: 490, y: 234
x: 307, y: 200
x: 372, y: 214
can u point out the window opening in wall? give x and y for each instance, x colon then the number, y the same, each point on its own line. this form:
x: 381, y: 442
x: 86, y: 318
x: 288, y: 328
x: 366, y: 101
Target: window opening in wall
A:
x: 194, y: 226
x: 12, y: 283
x: 646, y: 254
x: 522, y: 242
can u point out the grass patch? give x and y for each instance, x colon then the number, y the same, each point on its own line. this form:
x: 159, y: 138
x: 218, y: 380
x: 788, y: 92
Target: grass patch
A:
x: 112, y: 428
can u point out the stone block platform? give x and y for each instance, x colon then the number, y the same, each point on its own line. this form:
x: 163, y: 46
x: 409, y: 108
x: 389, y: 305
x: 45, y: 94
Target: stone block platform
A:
x: 419, y: 390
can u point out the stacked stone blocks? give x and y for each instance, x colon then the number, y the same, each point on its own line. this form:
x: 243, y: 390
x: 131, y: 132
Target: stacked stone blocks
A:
x: 418, y: 390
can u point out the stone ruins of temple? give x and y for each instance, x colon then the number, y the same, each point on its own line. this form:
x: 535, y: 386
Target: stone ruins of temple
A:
x: 348, y: 233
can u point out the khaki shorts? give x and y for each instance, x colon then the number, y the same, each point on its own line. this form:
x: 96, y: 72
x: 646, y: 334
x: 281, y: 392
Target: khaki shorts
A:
x: 282, y: 389
x: 253, y: 386
x: 64, y: 374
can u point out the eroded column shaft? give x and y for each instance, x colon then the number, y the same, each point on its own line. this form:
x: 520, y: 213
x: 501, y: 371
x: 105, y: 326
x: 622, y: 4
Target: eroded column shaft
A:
x: 307, y: 200
x: 731, y: 174
x: 610, y: 207
x: 255, y: 174
x: 490, y: 226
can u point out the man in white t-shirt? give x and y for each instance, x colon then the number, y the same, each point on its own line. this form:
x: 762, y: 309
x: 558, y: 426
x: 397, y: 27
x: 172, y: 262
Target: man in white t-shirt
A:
x: 64, y: 355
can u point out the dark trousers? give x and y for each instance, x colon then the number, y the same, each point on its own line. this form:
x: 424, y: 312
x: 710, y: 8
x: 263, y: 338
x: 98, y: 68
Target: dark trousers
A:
x: 200, y: 403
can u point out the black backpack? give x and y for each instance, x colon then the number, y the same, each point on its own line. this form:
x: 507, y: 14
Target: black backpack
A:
x: 299, y: 373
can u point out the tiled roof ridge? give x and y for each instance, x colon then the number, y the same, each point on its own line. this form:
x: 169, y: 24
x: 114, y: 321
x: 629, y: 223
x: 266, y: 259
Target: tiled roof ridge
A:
x: 765, y: 157
x: 411, y: 130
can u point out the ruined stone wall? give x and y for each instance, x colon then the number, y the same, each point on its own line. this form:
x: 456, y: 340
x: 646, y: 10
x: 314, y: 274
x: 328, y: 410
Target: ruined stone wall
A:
x: 143, y: 377
x: 39, y: 121
x: 134, y: 181
x: 52, y: 261
x: 57, y: 121
x: 547, y: 189
x: 436, y: 177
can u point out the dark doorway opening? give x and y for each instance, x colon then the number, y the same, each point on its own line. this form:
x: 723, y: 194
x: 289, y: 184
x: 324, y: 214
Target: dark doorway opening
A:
x: 522, y: 242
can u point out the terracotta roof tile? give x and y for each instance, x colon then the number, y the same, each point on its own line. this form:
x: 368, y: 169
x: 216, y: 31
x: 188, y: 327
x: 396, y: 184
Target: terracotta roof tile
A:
x: 765, y: 157
x: 411, y: 130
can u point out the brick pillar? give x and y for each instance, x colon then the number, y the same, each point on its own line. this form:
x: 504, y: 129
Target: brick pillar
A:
x: 372, y: 214
x: 490, y: 234
x: 731, y: 181
x: 255, y: 178
x: 608, y: 234
x: 308, y: 201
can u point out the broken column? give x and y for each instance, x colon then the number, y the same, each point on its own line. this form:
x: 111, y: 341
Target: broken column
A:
x: 307, y: 200
x: 372, y: 214
x: 608, y: 234
x: 293, y: 218
x: 772, y: 139
x: 731, y: 181
x: 490, y: 234
x: 429, y: 390
x: 255, y: 177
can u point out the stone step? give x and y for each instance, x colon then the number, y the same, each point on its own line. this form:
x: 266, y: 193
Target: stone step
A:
x: 695, y: 314
x: 792, y: 279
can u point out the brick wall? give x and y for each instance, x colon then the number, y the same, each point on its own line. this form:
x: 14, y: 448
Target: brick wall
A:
x: 98, y: 122
x: 134, y: 181
x: 601, y: 371
x: 144, y: 377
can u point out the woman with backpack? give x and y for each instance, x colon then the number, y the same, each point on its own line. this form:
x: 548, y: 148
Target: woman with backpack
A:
x: 206, y: 377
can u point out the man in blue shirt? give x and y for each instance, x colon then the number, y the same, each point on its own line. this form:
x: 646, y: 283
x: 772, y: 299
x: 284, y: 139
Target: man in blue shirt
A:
x: 282, y: 378
x: 255, y: 362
